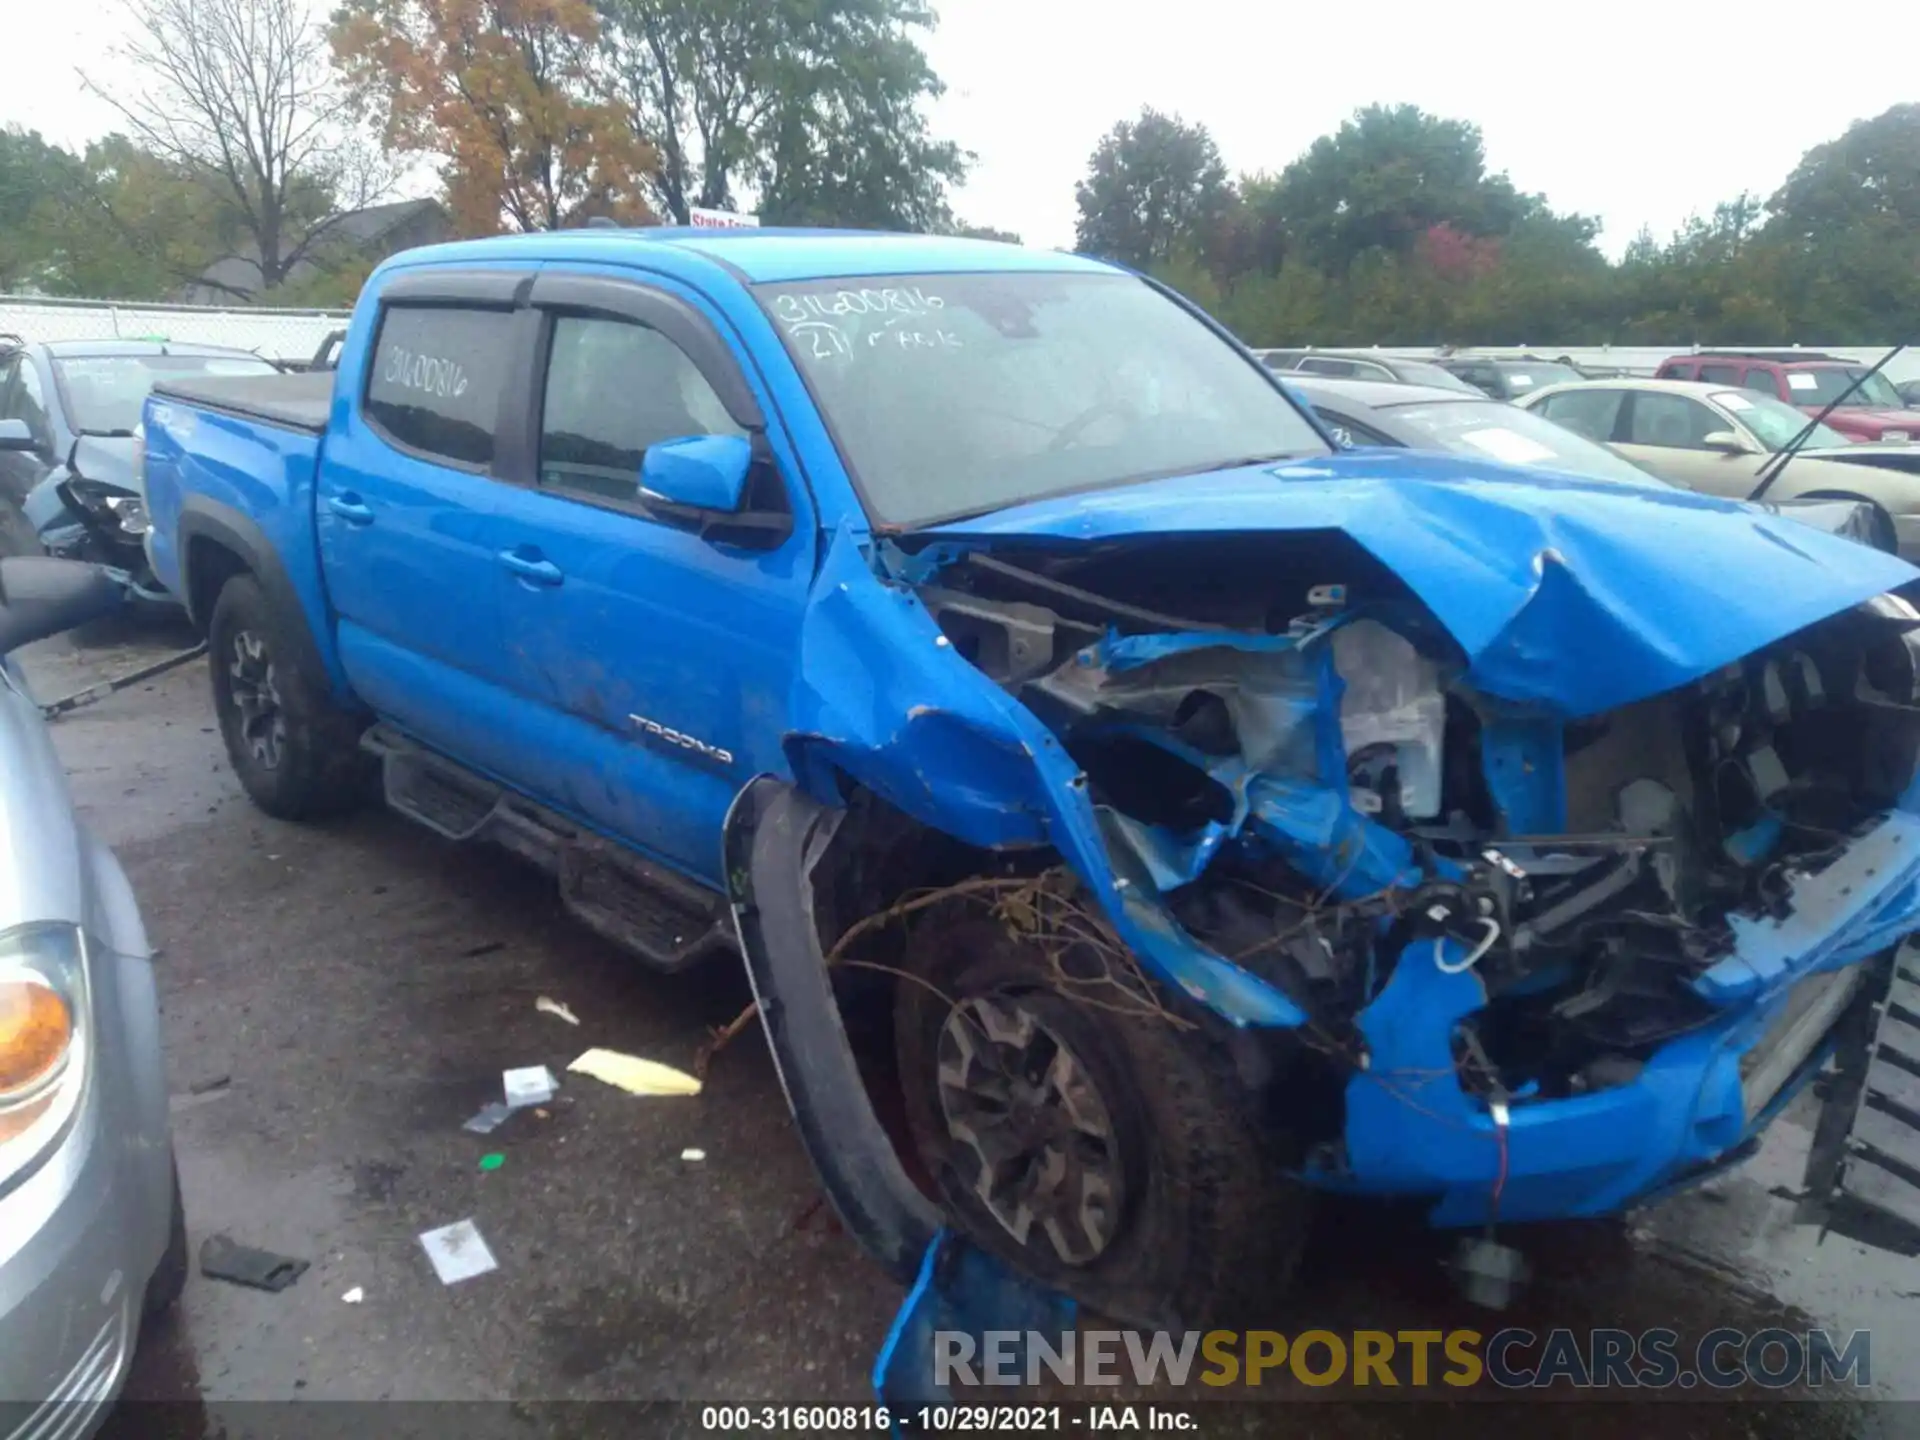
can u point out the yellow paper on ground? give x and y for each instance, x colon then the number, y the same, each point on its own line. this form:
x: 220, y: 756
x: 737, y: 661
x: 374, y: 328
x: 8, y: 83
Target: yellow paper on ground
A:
x: 634, y: 1075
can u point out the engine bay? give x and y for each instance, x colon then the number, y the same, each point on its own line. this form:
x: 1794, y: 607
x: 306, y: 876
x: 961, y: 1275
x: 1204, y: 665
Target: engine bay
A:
x: 1283, y: 745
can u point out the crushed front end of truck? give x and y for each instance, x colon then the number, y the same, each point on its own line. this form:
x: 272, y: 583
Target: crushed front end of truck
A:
x: 1519, y: 846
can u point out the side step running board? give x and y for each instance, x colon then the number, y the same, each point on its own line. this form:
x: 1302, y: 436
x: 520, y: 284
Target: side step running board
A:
x: 666, y: 920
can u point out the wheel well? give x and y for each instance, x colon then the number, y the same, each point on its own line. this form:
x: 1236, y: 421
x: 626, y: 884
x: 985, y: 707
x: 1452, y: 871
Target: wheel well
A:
x: 1882, y: 518
x: 209, y: 565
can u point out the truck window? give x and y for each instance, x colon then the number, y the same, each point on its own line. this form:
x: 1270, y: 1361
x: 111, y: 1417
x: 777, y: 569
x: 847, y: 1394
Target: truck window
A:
x: 1719, y: 374
x: 613, y: 389
x: 435, y: 382
x: 1761, y: 380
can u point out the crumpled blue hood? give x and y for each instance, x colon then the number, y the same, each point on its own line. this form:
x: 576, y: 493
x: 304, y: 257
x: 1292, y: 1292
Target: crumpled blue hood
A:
x: 1575, y: 595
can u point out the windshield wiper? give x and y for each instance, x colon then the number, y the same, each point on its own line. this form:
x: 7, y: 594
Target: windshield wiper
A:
x: 1770, y: 471
x: 105, y: 434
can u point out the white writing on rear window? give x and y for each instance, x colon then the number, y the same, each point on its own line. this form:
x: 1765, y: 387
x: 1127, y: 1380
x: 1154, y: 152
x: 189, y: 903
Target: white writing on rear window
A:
x: 429, y: 374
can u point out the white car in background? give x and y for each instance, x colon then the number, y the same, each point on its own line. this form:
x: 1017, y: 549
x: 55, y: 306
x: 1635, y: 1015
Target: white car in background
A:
x: 1716, y: 439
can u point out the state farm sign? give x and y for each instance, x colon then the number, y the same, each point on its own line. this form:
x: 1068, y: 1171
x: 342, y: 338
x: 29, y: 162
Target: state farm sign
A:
x: 721, y: 219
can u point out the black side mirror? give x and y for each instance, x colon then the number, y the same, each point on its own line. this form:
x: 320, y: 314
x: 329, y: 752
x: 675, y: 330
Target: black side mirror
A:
x: 41, y: 596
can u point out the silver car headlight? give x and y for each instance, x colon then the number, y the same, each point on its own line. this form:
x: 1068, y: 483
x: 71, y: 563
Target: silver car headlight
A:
x: 46, y: 1030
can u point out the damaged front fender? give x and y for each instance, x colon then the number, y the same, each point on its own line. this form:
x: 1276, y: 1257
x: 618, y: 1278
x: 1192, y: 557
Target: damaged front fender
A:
x: 884, y: 701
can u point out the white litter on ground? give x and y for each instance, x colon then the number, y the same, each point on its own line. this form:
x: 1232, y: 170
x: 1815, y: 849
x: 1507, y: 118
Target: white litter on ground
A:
x: 530, y: 1085
x: 693, y: 1155
x: 354, y: 1296
x: 458, y: 1252
x: 547, y: 1005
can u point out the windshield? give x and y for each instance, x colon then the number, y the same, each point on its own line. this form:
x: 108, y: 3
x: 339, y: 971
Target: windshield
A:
x: 951, y: 395
x: 104, y: 393
x: 1538, y: 374
x: 1496, y: 431
x: 1822, y: 386
x: 1773, y: 424
x: 1422, y: 372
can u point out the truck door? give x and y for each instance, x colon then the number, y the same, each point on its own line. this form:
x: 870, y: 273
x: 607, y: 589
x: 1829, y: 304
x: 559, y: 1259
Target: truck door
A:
x: 662, y: 663
x: 406, y: 507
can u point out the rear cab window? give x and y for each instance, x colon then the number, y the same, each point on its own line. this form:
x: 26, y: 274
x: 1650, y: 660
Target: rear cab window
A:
x: 433, y: 388
x: 1675, y: 370
x: 1762, y: 380
x: 1720, y: 374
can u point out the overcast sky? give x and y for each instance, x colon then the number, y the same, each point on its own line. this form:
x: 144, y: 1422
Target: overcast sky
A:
x: 1636, y: 112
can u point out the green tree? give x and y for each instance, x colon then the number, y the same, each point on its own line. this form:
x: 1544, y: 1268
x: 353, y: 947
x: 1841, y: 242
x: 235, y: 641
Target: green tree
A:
x: 1155, y: 188
x: 1870, y: 173
x: 981, y: 232
x: 813, y: 106
x: 35, y: 179
x: 138, y: 226
x: 1387, y: 177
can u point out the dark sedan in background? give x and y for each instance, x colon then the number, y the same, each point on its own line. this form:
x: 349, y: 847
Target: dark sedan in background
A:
x: 76, y: 491
x: 1416, y: 417
x: 1362, y: 365
x: 1509, y: 379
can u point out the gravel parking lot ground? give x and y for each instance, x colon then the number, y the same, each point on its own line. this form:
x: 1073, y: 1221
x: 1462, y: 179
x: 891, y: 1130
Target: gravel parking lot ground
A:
x: 361, y: 986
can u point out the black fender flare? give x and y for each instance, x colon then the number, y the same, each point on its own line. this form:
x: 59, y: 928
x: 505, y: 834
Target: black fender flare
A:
x: 774, y: 836
x: 204, y: 519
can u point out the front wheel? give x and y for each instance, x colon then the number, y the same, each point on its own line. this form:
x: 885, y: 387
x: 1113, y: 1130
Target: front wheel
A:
x: 297, y: 754
x: 1107, y: 1152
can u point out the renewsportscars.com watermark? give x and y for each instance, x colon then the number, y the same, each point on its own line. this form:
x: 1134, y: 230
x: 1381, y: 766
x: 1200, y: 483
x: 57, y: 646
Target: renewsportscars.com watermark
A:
x: 1514, y: 1359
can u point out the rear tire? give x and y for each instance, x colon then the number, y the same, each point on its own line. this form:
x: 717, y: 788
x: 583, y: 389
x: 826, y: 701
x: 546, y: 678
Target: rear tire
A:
x: 297, y: 754
x: 1177, y: 1210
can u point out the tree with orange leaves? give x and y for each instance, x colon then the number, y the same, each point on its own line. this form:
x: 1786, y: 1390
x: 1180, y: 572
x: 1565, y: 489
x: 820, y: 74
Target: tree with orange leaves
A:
x: 502, y: 91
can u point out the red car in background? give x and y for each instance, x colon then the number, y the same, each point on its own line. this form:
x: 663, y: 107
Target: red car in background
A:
x: 1875, y: 411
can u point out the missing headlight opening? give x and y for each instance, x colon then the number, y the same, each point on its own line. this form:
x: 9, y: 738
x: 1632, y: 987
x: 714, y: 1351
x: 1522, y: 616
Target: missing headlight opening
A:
x: 1314, y: 787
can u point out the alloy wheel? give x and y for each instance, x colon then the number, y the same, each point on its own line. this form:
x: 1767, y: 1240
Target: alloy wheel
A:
x: 1033, y: 1137
x: 263, y: 723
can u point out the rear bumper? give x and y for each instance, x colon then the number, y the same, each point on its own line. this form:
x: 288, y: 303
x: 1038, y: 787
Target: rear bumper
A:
x: 1696, y: 1104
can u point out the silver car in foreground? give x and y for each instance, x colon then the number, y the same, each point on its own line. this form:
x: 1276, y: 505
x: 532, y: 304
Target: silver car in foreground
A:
x: 92, y: 1239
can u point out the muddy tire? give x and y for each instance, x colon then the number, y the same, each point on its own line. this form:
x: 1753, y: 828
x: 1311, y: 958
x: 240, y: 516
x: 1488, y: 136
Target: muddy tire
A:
x: 169, y: 1277
x: 1144, y: 1185
x: 297, y: 754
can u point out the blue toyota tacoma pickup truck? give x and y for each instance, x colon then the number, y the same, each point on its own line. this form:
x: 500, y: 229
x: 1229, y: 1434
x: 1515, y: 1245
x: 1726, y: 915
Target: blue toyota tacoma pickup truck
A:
x: 1135, y: 814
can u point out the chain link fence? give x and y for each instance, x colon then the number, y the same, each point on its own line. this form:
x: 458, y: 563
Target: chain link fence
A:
x: 283, y: 335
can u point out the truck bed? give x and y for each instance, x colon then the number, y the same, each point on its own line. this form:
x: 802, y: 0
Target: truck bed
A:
x: 292, y: 402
